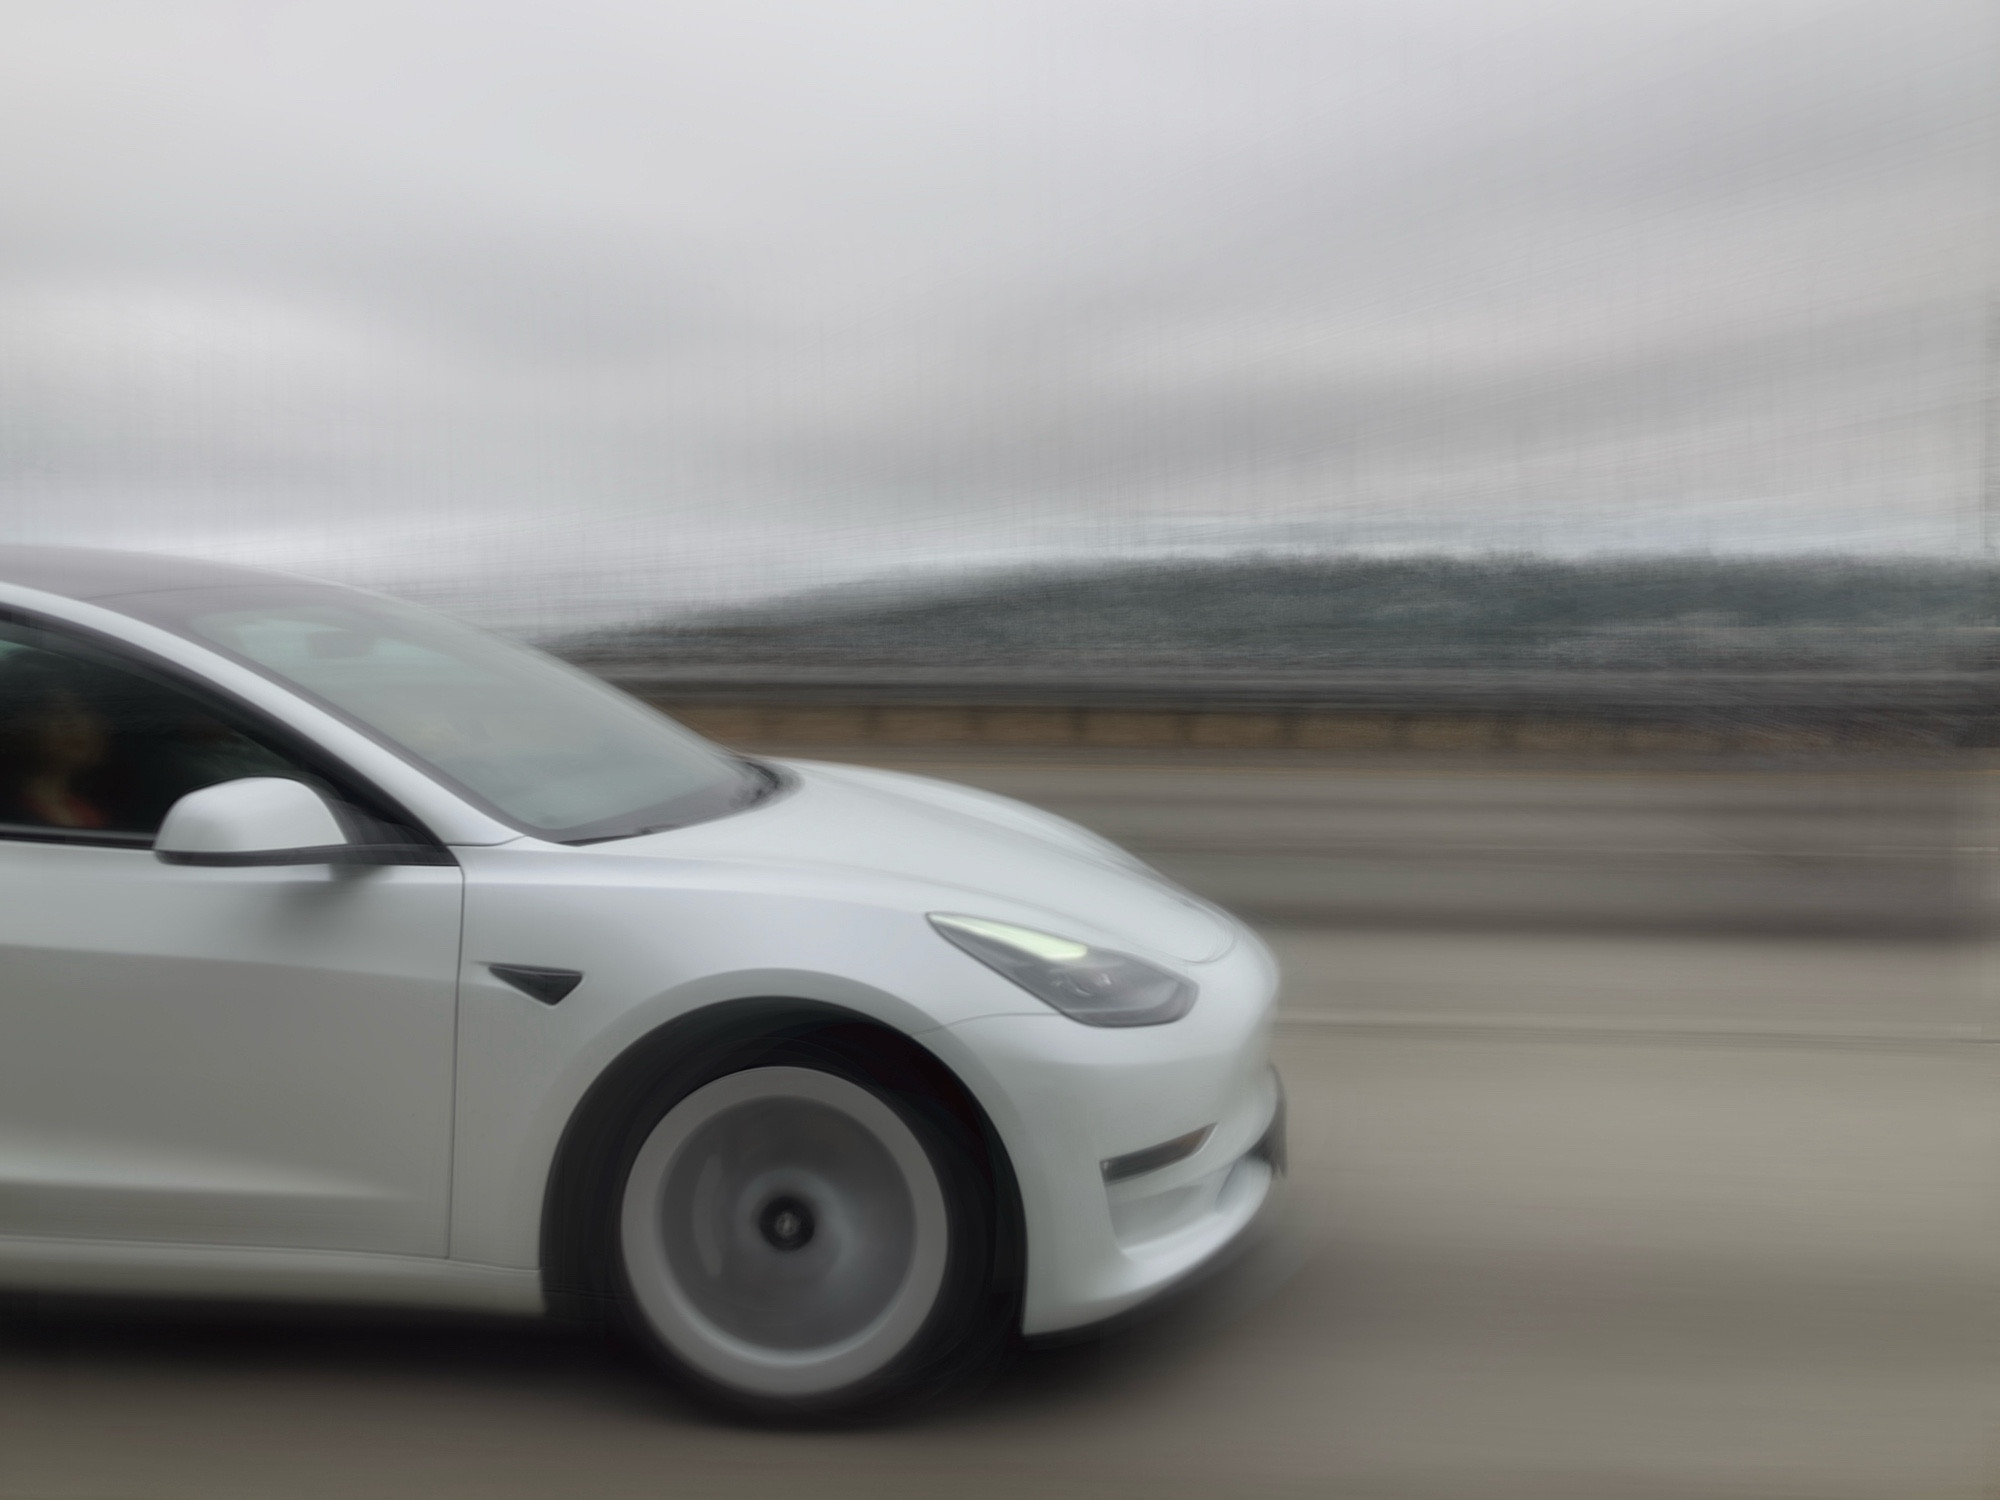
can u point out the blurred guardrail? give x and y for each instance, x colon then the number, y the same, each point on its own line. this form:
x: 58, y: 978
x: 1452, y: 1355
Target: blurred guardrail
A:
x: 1553, y: 712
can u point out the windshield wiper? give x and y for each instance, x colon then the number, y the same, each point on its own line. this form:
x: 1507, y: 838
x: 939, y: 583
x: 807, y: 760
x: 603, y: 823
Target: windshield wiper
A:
x: 767, y: 780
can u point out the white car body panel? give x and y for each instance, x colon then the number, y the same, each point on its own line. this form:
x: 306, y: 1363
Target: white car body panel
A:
x: 356, y: 1107
x: 220, y: 1272
x: 239, y: 1056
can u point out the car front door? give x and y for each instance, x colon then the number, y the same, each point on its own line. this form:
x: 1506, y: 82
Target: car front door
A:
x: 256, y: 1056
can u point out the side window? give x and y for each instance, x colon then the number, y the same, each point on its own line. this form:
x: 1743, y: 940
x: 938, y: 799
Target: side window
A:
x: 96, y: 751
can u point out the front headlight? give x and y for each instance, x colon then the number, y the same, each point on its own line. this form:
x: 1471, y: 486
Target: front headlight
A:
x: 1093, y: 985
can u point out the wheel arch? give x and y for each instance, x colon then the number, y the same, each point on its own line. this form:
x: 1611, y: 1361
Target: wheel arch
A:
x: 577, y: 1280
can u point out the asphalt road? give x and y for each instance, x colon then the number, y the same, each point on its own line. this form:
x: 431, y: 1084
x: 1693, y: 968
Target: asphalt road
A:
x: 1585, y: 1203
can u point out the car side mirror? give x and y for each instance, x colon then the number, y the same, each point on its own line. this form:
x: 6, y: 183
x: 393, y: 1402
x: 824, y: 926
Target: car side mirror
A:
x: 258, y: 820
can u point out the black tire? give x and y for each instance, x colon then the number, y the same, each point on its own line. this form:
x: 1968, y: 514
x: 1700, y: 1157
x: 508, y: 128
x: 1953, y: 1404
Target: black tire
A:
x: 802, y: 1224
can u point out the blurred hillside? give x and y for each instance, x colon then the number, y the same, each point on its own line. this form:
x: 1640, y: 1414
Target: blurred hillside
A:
x: 1335, y: 617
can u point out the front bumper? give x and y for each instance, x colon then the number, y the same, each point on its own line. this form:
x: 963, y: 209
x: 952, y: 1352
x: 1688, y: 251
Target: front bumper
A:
x: 1067, y: 1098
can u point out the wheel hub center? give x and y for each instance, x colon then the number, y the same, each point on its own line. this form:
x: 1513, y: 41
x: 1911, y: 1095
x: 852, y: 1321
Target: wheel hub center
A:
x: 786, y: 1223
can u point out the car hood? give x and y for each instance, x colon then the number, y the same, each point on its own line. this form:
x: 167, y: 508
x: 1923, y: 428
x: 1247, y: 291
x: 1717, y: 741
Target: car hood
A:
x: 984, y: 855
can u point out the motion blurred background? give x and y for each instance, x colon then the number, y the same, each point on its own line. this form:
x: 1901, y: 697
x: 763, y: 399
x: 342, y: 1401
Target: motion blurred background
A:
x: 1502, y: 494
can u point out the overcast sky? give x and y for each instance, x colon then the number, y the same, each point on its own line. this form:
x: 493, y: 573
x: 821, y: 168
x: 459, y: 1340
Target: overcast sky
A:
x: 596, y: 306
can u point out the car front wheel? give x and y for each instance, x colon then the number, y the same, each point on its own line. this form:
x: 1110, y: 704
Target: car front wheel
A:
x: 797, y: 1240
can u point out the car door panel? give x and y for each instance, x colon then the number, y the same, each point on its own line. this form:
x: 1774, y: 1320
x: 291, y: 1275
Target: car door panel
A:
x: 254, y: 1056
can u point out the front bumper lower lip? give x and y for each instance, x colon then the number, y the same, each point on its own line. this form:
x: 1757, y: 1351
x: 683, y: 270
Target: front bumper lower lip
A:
x: 1138, y: 1163
x: 1271, y: 1148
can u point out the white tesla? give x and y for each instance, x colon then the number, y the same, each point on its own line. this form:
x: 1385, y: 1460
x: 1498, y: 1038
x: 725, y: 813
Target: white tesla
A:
x: 349, y: 953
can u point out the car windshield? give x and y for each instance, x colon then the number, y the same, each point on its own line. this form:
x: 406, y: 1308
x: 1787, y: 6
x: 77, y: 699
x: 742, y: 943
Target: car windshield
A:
x: 546, y: 747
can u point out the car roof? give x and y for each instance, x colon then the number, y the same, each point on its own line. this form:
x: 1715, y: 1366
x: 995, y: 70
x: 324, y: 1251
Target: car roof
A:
x: 93, y: 573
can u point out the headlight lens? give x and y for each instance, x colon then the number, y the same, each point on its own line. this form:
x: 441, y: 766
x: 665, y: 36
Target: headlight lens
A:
x: 1096, y: 986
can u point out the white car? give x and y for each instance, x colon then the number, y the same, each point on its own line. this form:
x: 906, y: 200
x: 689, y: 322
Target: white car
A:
x: 347, y: 953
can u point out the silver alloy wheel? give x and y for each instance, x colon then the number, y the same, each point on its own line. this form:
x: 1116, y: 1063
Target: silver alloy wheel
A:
x: 784, y: 1231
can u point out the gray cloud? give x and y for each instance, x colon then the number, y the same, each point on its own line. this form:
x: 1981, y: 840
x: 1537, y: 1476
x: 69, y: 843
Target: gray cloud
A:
x: 691, y: 301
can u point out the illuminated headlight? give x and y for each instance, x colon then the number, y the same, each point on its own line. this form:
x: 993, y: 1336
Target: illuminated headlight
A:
x: 1096, y: 986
